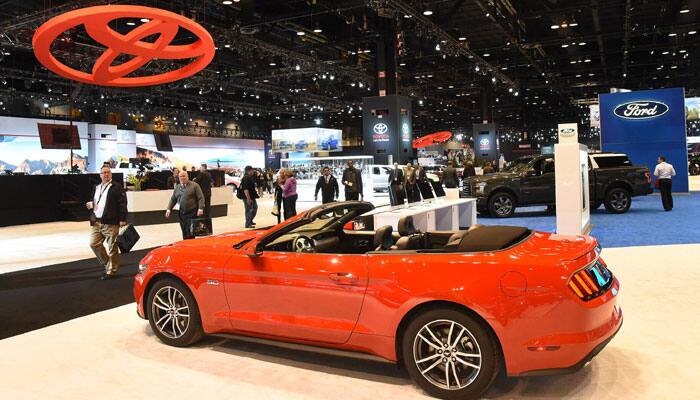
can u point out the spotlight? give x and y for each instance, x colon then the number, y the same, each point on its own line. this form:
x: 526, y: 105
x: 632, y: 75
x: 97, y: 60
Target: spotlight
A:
x: 297, y: 67
x: 301, y: 33
x: 427, y: 13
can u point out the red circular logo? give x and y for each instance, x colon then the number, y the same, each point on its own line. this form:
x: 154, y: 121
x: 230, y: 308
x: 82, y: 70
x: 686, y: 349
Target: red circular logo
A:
x: 96, y: 19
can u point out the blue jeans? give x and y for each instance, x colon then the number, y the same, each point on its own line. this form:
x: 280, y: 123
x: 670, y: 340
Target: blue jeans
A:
x: 250, y: 211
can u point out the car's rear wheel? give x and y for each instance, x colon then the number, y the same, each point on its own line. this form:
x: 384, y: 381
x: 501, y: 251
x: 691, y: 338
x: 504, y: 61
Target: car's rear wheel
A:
x: 618, y: 201
x: 173, y: 313
x: 502, y: 205
x: 450, y: 354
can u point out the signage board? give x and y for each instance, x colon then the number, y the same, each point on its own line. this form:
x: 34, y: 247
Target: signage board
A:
x: 308, y: 140
x: 568, y: 133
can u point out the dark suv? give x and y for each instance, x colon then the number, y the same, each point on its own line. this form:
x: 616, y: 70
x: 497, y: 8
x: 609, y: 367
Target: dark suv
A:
x: 529, y: 181
x: 694, y: 164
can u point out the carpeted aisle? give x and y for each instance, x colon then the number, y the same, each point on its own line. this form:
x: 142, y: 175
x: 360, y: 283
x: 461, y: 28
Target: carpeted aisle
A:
x: 49, y: 295
x: 645, y: 224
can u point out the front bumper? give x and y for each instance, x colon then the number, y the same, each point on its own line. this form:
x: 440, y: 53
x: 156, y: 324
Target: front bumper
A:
x: 139, y: 287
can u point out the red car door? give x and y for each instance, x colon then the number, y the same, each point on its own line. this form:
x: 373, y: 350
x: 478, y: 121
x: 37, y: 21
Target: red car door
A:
x: 306, y: 296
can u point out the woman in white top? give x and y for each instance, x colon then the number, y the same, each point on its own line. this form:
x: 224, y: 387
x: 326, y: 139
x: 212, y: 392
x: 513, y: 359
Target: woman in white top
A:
x: 663, y: 173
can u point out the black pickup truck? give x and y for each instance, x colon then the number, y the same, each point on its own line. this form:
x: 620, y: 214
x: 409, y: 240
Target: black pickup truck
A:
x: 529, y: 181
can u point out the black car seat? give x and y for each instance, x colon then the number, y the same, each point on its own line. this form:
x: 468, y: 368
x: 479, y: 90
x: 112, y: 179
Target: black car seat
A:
x: 383, y: 239
x: 411, y: 239
x: 454, y: 240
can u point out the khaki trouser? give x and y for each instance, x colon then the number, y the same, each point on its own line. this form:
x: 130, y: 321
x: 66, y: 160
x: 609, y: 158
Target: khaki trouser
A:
x: 101, y: 233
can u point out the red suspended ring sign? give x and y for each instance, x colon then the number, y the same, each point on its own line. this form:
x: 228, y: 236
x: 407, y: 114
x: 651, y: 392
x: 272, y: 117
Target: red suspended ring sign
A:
x: 96, y: 19
x: 431, y: 139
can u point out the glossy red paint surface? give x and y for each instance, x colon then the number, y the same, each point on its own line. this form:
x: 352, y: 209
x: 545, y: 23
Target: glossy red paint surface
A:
x: 358, y: 301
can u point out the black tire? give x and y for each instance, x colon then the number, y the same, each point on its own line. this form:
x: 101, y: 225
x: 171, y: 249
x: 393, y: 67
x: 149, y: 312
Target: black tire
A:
x: 476, y: 339
x: 185, y: 333
x: 694, y: 169
x: 618, y: 201
x: 502, y: 205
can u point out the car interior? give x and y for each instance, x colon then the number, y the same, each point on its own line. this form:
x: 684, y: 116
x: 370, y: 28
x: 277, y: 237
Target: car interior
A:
x: 326, y: 233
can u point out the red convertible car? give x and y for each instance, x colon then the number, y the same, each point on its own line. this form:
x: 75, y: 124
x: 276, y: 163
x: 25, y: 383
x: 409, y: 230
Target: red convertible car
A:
x: 454, y: 308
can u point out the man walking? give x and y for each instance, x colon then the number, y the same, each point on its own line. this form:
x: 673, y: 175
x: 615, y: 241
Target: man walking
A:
x: 664, y: 172
x: 352, y: 180
x: 449, y: 176
x: 108, y: 207
x: 250, y: 195
x: 204, y: 181
x: 191, y: 200
x: 328, y: 186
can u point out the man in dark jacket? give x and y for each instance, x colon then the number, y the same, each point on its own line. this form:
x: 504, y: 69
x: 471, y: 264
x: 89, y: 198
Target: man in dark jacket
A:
x: 352, y: 180
x: 173, y: 180
x: 205, y: 182
x: 397, y: 185
x: 188, y: 195
x: 108, y: 207
x: 449, y: 176
x: 328, y: 186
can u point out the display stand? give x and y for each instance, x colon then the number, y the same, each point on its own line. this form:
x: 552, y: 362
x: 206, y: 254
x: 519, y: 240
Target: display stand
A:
x: 442, y: 215
x: 571, y: 182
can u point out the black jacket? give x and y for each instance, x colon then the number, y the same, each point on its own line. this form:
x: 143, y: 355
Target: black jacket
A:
x: 353, y: 176
x: 329, y: 191
x: 115, y: 204
x: 204, y: 181
x: 449, y: 177
x: 396, y: 177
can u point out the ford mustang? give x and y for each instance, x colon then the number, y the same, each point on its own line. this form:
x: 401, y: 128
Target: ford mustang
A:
x: 455, y: 309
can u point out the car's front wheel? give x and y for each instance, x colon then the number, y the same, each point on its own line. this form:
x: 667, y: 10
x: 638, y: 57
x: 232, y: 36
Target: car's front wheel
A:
x: 502, y: 205
x: 173, y: 313
x: 450, y: 354
x: 618, y: 201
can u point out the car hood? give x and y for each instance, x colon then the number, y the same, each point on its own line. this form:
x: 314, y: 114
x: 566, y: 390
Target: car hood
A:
x: 499, y: 176
x: 227, y: 240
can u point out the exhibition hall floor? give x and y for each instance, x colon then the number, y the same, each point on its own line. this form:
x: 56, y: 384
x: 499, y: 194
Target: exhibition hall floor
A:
x: 70, y: 335
x: 114, y: 355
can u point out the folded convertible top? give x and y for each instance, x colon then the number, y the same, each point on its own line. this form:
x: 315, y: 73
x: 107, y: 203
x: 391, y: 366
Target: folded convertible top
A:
x: 490, y: 238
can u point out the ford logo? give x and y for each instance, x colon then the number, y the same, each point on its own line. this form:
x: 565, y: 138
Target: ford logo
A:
x: 380, y: 128
x: 566, y: 132
x: 644, y: 109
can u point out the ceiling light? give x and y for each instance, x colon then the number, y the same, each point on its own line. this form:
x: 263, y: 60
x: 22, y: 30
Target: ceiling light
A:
x: 554, y: 26
x: 273, y: 64
x: 403, y: 64
x: 493, y: 79
x: 685, y: 11
x: 297, y: 67
x: 462, y: 38
x: 692, y: 32
x: 582, y: 43
x: 665, y: 53
x: 318, y: 30
x: 301, y: 33
x: 573, y: 24
x: 476, y: 68
x: 672, y: 34
x: 427, y: 13
x: 564, y: 45
x: 587, y: 60
x: 486, y: 54
x: 227, y: 2
x: 227, y: 45
x: 564, y: 25
x: 437, y: 47
x: 681, y: 51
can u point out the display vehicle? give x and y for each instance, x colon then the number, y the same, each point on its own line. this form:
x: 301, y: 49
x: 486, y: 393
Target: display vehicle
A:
x: 613, y: 181
x: 694, y: 164
x: 454, y: 308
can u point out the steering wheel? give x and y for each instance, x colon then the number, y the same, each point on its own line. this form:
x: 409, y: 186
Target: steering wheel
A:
x: 303, y: 244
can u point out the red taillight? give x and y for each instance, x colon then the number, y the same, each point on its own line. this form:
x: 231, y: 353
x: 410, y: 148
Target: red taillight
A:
x: 591, y: 281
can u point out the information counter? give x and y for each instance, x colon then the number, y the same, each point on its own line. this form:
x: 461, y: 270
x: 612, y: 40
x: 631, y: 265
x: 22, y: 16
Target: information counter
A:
x: 148, y: 207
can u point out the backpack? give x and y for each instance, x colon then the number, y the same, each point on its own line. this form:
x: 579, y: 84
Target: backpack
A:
x: 239, y: 192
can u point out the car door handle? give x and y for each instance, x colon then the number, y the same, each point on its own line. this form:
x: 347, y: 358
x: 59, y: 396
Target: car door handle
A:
x: 343, y: 278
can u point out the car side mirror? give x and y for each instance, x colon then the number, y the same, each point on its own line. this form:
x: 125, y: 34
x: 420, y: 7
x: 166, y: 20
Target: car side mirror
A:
x: 253, y: 252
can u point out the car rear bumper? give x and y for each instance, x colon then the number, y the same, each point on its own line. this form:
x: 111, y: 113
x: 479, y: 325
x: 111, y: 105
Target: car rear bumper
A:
x: 565, y: 339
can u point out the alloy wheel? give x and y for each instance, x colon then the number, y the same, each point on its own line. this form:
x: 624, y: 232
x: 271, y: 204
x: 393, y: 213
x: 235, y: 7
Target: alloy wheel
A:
x: 503, y: 205
x: 619, y: 200
x: 447, y: 354
x: 170, y: 312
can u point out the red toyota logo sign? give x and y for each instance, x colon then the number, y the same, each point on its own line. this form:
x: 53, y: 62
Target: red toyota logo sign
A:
x: 96, y: 20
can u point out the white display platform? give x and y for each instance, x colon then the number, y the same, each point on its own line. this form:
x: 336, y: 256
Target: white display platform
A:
x: 452, y: 193
x: 157, y: 200
x: 440, y: 215
x: 571, y: 183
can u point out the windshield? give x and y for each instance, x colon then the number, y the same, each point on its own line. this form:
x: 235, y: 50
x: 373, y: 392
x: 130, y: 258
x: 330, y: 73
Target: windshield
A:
x: 518, y: 165
x: 322, y: 221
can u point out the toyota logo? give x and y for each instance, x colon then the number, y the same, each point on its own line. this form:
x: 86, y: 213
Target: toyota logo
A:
x: 641, y: 109
x: 484, y: 142
x: 380, y: 128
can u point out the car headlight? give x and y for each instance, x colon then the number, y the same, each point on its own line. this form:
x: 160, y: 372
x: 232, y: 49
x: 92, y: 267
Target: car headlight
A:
x: 142, y: 268
x: 480, y: 187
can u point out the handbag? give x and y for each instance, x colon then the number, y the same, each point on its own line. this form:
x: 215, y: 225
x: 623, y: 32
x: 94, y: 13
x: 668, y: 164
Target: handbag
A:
x: 201, y: 227
x: 127, y: 238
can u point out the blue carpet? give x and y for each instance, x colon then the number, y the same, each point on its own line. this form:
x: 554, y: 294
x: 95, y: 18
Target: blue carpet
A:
x: 645, y: 224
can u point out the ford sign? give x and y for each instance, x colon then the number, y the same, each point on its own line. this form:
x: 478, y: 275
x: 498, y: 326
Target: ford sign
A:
x: 567, y: 132
x: 380, y: 128
x: 644, y: 109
